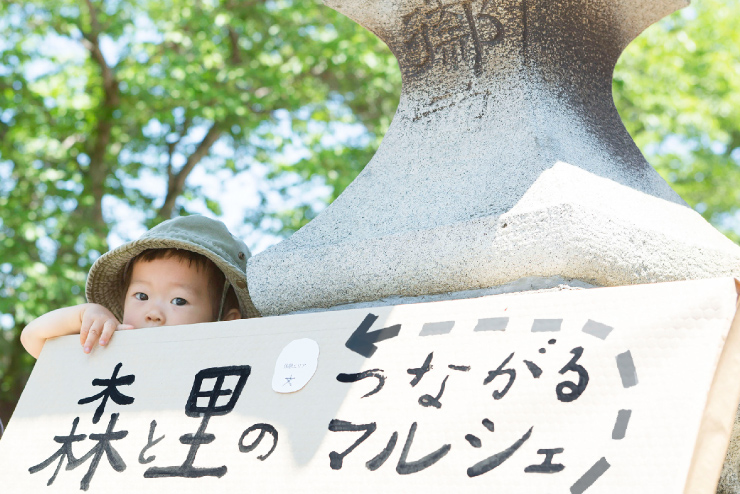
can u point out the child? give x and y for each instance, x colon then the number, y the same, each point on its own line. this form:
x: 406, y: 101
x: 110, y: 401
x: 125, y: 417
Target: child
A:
x: 185, y: 270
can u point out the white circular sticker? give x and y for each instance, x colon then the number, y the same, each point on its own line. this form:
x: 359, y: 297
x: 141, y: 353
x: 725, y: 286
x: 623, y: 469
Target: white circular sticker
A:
x: 295, y: 366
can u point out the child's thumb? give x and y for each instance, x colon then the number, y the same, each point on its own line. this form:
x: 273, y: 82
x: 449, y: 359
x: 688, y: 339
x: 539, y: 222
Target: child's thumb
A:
x: 124, y: 327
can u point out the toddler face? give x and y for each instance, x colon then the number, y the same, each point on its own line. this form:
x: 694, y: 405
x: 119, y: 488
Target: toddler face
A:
x: 167, y: 292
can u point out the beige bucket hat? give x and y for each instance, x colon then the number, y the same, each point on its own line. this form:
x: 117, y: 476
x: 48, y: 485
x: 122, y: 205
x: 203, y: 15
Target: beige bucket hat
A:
x: 195, y: 233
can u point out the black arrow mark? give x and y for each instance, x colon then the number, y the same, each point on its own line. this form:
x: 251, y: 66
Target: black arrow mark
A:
x: 363, y: 341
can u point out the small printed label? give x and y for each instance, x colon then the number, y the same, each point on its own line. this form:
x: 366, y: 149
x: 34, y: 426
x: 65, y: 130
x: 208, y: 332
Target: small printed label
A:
x: 295, y: 366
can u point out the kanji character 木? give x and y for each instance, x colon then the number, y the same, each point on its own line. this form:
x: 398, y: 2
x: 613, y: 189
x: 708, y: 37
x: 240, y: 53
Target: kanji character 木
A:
x: 110, y: 391
x: 65, y: 452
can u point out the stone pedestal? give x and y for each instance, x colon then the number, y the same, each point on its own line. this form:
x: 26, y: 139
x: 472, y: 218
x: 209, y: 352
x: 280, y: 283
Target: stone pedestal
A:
x: 506, y: 160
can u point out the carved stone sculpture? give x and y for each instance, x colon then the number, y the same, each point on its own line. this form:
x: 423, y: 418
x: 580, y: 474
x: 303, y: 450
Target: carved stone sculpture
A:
x: 505, y: 160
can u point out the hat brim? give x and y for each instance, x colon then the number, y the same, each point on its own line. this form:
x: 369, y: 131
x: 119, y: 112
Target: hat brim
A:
x: 105, y: 281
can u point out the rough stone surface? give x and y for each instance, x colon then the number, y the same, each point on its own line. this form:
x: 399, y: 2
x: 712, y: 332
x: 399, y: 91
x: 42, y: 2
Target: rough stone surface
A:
x: 570, y: 223
x: 729, y: 482
x: 506, y: 159
x: 525, y: 285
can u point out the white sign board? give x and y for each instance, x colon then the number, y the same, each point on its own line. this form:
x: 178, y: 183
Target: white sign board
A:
x: 608, y: 390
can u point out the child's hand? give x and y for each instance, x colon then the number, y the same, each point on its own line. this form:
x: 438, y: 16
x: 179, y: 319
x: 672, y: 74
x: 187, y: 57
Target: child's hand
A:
x: 98, y: 325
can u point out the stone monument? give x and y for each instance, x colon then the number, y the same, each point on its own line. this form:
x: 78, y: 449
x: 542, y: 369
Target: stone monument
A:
x: 506, y: 161
x: 506, y: 167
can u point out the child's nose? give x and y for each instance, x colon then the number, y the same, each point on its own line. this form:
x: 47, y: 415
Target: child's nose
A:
x: 155, y: 315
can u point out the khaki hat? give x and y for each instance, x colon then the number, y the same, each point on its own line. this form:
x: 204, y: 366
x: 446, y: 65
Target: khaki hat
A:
x: 199, y: 234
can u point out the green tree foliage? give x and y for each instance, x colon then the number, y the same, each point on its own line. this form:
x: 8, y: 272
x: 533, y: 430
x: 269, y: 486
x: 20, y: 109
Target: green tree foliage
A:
x: 677, y: 88
x: 101, y: 98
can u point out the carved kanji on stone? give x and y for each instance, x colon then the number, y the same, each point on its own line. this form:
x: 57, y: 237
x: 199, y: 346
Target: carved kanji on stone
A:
x: 506, y: 160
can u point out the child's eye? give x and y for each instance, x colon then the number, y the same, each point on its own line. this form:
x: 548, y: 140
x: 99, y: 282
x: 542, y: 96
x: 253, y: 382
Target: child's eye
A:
x: 141, y: 296
x: 179, y: 301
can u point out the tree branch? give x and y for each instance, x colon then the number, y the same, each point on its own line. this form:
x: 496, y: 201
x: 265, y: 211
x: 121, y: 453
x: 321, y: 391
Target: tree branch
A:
x: 176, y: 182
x: 172, y: 147
x: 170, y: 154
x: 98, y: 171
x: 236, y: 56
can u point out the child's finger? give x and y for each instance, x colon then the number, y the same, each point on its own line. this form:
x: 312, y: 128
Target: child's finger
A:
x: 124, y: 327
x: 84, y: 330
x: 108, y: 328
x: 96, y: 328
